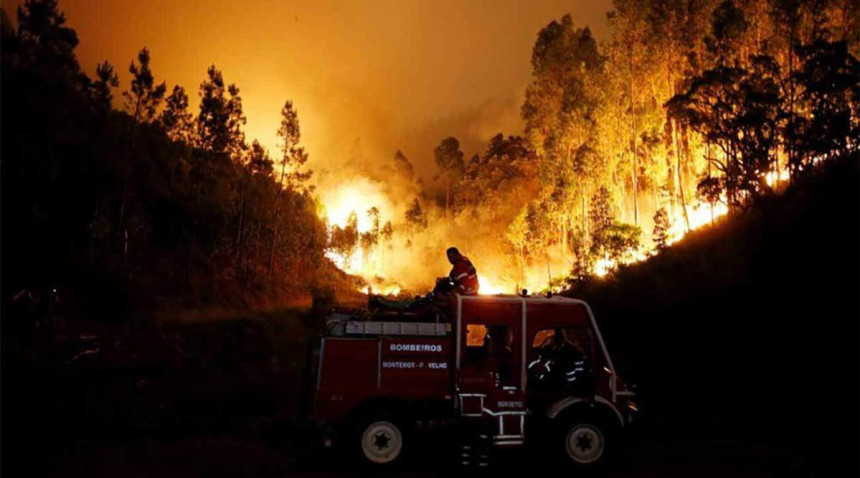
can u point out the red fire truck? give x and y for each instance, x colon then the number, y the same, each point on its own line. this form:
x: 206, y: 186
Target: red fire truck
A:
x: 507, y: 370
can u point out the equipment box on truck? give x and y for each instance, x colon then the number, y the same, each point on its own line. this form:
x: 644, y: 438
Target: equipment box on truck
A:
x: 503, y: 370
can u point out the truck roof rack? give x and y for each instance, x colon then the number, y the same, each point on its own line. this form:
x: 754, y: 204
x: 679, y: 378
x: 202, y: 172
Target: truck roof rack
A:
x: 427, y: 329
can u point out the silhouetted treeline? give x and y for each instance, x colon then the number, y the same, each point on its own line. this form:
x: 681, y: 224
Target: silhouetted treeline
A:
x: 151, y: 203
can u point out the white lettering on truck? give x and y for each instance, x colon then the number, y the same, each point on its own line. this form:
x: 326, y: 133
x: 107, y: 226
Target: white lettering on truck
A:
x: 415, y: 365
x: 416, y: 347
x: 398, y: 364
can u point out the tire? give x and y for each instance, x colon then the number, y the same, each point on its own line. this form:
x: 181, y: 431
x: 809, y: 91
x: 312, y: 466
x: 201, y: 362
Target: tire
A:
x: 379, y: 441
x: 586, y: 443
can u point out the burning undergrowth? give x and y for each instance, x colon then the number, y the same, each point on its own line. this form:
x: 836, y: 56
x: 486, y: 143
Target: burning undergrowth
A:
x: 390, y: 228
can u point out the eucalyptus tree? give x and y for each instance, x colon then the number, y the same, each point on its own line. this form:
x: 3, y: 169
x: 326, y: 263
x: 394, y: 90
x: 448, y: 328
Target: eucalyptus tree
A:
x: 560, y: 117
x: 449, y: 161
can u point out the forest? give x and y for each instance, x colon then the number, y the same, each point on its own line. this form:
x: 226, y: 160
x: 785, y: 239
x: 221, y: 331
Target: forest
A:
x: 150, y: 202
x: 692, y: 174
x: 688, y: 111
x: 692, y: 110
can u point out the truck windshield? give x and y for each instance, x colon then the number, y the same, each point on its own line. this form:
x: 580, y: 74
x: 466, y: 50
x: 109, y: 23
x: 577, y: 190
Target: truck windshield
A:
x: 561, y: 360
x: 567, y: 337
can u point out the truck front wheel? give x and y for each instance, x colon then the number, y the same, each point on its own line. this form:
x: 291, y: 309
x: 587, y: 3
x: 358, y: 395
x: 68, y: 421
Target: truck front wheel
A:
x: 381, y: 440
x: 586, y: 442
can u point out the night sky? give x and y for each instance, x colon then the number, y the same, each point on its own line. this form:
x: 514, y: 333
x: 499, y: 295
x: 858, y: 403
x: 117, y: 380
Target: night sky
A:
x: 391, y: 74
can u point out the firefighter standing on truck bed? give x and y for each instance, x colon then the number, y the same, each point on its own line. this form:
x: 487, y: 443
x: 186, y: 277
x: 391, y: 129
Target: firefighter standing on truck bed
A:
x: 463, y: 275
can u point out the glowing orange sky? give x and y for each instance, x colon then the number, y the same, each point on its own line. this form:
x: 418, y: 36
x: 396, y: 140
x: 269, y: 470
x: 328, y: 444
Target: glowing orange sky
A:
x: 395, y: 74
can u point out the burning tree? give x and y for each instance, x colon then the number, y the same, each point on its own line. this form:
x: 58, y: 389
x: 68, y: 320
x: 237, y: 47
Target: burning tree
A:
x: 369, y: 240
x: 611, y: 241
x: 661, y: 229
x: 345, y: 240
x: 449, y: 160
x: 416, y: 219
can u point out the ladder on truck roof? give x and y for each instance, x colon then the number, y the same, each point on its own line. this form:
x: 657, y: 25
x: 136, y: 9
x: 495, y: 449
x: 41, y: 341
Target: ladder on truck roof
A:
x: 427, y: 329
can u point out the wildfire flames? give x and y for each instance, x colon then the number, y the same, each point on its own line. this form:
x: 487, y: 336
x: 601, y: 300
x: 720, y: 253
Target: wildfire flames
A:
x: 385, y: 267
x: 489, y: 287
x: 355, y: 200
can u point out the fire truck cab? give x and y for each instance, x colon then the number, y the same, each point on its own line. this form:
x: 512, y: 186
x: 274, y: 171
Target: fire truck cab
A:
x: 505, y: 371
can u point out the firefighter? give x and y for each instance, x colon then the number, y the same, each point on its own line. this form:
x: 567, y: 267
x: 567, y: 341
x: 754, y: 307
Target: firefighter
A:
x: 463, y: 280
x: 463, y: 274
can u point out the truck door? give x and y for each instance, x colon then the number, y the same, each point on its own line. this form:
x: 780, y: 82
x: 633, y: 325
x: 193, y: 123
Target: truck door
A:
x: 490, y: 365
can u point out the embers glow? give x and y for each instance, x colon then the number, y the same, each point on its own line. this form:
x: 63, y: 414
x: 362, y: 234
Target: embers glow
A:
x: 699, y: 214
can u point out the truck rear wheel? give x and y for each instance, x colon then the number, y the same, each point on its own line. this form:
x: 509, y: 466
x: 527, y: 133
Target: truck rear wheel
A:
x: 381, y: 441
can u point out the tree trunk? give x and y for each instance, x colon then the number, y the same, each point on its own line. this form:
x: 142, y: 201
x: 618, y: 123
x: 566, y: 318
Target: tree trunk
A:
x: 254, y: 246
x: 548, y: 273
x: 790, y: 139
x: 121, y: 229
x: 283, y: 171
x: 635, y: 190
x: 274, y: 242
x: 563, y: 237
x: 240, y: 229
x: 633, y: 150
x: 708, y: 160
x: 730, y: 179
x: 679, y: 185
x: 584, y: 219
x: 277, y: 214
x: 137, y: 110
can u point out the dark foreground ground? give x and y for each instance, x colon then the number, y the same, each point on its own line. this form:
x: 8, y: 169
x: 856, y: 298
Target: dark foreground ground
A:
x: 224, y: 399
x: 742, y: 339
x: 290, y: 455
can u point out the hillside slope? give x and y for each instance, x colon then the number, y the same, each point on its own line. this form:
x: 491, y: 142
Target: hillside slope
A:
x: 749, y: 328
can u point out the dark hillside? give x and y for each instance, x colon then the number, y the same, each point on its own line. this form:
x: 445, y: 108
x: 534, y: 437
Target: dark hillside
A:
x: 127, y: 216
x: 750, y: 327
